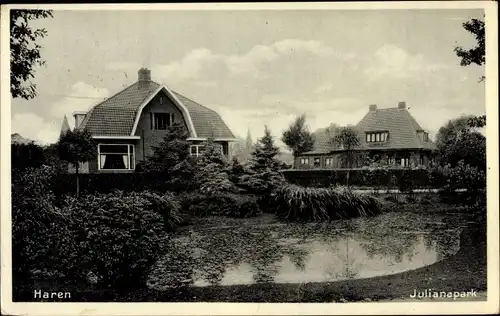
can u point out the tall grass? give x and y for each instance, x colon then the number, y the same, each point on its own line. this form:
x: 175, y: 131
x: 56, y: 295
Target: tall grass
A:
x: 293, y: 202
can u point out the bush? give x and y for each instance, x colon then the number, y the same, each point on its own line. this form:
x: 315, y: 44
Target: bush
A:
x: 119, y: 236
x: 292, y: 202
x: 167, y: 205
x: 466, y: 177
x: 42, y: 242
x: 221, y: 204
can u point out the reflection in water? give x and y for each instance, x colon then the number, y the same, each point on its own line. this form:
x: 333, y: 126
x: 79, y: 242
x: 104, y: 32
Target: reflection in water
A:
x: 309, y: 253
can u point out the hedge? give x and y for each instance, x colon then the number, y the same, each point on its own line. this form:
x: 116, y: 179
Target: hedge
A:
x: 374, y: 178
x: 94, y: 183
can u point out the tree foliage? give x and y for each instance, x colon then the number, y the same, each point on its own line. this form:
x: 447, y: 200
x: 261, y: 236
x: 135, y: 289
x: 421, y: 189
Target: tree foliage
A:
x: 474, y: 55
x: 297, y: 137
x: 477, y: 54
x: 171, y: 157
x: 25, y: 51
x: 264, y: 166
x: 477, y: 121
x: 28, y: 155
x: 76, y: 147
x: 211, y: 176
x: 458, y: 141
x: 347, y: 140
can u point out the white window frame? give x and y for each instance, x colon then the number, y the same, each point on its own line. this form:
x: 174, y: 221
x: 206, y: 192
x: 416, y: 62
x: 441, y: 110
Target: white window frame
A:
x: 405, y: 162
x: 198, y: 154
x: 328, y: 161
x: 129, y: 167
x: 377, y: 137
x: 304, y: 161
x: 169, y: 120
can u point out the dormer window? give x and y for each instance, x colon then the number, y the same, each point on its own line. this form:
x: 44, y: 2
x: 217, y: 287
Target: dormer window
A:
x: 377, y: 137
x: 424, y: 136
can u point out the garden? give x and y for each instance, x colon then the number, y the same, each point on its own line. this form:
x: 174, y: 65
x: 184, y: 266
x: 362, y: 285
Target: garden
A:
x: 208, y: 229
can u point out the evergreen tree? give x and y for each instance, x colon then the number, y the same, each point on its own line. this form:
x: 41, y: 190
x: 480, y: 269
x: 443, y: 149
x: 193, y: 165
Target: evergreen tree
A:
x: 264, y: 167
x: 172, y: 157
x: 212, y: 176
x: 247, y: 151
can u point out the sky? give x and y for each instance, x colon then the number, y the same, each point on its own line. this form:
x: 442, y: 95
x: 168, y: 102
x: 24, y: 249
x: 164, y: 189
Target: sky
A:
x: 258, y: 68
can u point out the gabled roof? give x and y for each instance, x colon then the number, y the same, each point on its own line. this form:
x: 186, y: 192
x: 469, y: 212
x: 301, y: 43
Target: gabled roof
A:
x: 116, y: 115
x: 402, y: 128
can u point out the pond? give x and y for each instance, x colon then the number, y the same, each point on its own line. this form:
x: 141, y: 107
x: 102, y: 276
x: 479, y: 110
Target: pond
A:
x: 299, y: 253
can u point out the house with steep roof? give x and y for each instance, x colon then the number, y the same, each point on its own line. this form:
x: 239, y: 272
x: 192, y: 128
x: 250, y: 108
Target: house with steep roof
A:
x: 390, y: 136
x: 130, y: 123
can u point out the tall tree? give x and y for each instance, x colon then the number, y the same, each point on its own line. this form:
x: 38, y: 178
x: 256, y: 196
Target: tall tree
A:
x: 76, y: 147
x: 25, y: 52
x: 475, y: 55
x: 248, y: 148
x: 347, y: 140
x: 297, y: 137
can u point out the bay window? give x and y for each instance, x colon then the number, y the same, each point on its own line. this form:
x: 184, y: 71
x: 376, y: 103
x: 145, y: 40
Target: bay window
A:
x: 116, y: 157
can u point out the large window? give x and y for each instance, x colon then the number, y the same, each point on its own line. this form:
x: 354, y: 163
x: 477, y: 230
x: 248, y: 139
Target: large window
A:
x: 304, y: 161
x: 116, y: 157
x: 377, y: 137
x: 160, y: 121
x: 197, y: 150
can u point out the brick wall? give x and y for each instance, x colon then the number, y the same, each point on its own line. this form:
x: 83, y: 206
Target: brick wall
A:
x: 153, y: 137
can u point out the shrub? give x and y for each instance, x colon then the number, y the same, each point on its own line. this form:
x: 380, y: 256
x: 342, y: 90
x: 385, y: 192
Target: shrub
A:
x: 168, y: 206
x: 318, y: 204
x: 119, y: 236
x: 221, y: 204
x: 24, y: 156
x: 41, y: 239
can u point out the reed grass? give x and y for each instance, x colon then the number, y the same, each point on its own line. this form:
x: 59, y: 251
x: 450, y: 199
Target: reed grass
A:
x: 293, y: 202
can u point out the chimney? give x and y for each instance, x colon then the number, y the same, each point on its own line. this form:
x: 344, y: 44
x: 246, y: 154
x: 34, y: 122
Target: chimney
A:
x: 402, y: 105
x: 79, y: 116
x: 144, y: 75
x: 373, y: 107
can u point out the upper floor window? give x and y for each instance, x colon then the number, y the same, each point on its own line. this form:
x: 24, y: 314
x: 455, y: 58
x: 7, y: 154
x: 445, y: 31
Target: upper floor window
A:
x: 377, y: 137
x: 160, y: 121
x: 426, y: 137
x: 304, y: 161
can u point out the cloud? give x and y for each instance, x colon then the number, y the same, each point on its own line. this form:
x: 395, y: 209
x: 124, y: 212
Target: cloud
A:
x: 391, y: 61
x: 81, y: 97
x: 202, y: 62
x: 34, y: 127
x: 191, y: 66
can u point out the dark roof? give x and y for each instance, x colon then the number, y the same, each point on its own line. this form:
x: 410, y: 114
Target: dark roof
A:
x: 116, y: 115
x: 402, y: 128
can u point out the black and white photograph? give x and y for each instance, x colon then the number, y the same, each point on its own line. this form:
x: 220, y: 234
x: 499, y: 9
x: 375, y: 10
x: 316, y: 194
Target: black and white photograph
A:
x: 339, y: 154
